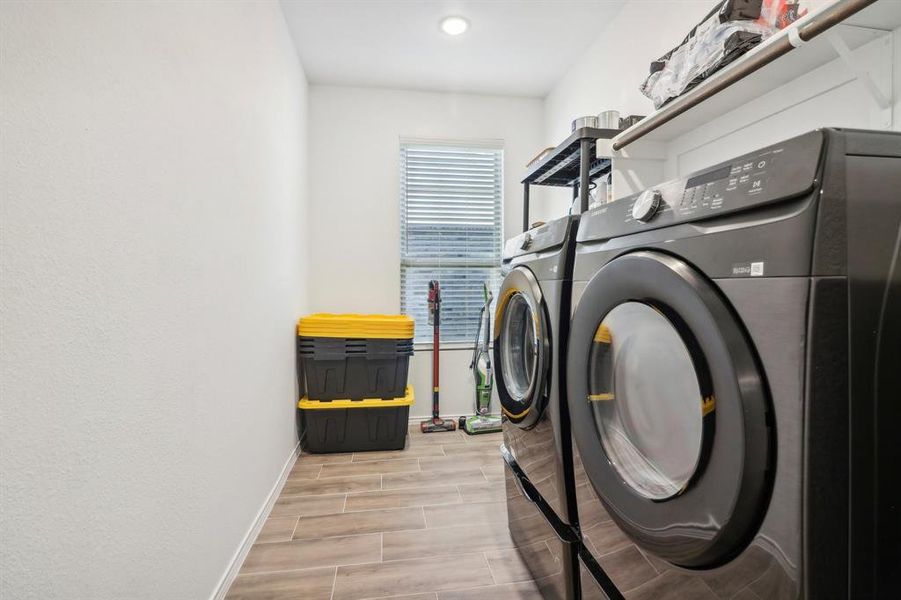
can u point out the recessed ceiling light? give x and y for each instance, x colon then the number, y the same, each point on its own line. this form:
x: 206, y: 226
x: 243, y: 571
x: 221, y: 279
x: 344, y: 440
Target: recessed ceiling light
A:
x: 454, y: 25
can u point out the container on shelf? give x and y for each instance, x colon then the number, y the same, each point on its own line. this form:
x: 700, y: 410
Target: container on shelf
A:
x: 587, y: 121
x: 608, y: 119
x: 355, y: 425
x: 354, y: 356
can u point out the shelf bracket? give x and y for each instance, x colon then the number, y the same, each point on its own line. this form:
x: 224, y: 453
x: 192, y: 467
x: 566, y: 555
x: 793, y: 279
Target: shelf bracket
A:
x: 861, y: 74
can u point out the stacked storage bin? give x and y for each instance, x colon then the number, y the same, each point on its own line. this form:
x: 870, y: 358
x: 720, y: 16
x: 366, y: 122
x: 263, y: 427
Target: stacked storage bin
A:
x: 353, y: 378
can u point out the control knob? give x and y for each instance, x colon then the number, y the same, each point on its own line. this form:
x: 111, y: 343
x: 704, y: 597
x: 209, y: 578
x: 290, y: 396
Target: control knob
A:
x: 526, y: 241
x: 646, y: 205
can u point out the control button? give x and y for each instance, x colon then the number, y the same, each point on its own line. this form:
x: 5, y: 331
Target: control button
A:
x: 761, y: 164
x: 646, y: 205
x: 756, y: 186
x: 526, y: 241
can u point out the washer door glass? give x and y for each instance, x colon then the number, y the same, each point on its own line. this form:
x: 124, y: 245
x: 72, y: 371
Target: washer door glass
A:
x: 643, y: 394
x: 519, y: 347
x: 669, y: 410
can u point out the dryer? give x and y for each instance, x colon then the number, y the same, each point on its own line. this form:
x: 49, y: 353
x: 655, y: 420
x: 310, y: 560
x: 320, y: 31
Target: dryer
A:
x: 734, y: 372
x: 531, y: 321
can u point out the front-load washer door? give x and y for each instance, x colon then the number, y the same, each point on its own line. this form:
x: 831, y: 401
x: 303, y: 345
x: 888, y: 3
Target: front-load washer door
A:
x: 669, y: 410
x: 522, y: 347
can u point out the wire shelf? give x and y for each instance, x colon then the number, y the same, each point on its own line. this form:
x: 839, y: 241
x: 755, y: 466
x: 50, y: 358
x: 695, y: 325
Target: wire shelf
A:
x: 561, y: 167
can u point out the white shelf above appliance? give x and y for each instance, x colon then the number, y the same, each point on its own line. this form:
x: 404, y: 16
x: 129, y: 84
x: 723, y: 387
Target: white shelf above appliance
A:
x: 833, y: 32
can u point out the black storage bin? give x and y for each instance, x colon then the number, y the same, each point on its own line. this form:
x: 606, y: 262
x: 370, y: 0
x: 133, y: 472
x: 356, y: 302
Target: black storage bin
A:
x: 355, y: 425
x: 352, y: 356
x: 335, y: 368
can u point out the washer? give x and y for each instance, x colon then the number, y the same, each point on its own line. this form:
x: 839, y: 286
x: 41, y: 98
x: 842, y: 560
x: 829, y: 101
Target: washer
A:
x: 528, y: 358
x: 734, y: 377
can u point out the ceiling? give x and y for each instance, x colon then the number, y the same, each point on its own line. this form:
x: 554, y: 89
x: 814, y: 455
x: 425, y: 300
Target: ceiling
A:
x: 518, y: 48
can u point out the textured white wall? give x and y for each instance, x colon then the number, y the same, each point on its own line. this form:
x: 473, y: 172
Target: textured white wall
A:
x: 153, y: 260
x: 354, y: 200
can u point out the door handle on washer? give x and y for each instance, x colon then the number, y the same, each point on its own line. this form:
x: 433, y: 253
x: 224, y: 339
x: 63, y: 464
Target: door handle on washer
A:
x: 522, y: 489
x: 515, y: 468
x: 563, y: 531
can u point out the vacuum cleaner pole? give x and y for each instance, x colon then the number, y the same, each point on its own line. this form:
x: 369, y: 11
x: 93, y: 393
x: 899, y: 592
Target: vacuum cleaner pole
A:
x: 482, y: 421
x: 435, y: 315
x: 436, y: 423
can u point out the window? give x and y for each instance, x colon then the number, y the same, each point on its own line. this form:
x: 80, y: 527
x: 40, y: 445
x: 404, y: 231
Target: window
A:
x: 451, y: 230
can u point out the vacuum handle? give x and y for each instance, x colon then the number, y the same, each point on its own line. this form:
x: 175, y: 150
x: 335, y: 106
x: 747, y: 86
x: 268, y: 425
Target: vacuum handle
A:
x: 476, y: 346
x: 435, y: 320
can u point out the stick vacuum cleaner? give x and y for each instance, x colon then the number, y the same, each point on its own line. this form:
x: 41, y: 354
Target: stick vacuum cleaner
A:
x: 482, y: 422
x: 436, y: 423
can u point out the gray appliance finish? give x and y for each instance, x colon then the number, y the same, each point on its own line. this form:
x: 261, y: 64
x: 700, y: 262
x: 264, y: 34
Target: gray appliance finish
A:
x: 528, y: 359
x: 734, y: 372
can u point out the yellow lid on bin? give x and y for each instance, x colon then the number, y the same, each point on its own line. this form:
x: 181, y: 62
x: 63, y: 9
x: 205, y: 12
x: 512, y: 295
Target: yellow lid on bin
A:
x: 392, y: 327
x: 307, y: 404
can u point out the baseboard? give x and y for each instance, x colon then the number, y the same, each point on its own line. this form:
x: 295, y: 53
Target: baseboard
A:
x: 241, y: 553
x: 443, y: 416
x: 417, y: 420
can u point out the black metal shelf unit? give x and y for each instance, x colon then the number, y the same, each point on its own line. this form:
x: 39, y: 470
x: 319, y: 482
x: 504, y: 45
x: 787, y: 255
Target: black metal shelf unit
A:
x: 570, y: 164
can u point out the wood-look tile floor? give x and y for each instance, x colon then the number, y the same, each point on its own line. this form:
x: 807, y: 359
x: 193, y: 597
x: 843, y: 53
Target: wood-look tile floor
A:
x: 425, y: 523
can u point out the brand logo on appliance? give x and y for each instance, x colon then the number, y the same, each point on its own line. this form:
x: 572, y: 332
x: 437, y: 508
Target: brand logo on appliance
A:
x: 749, y: 269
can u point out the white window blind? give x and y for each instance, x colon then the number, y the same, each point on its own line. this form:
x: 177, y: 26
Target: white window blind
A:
x: 451, y: 230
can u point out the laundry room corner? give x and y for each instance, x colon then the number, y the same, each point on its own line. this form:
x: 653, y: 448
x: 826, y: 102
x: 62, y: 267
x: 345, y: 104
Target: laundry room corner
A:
x: 355, y: 139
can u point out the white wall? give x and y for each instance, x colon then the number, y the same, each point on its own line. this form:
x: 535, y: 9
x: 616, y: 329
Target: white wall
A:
x: 355, y: 252
x: 153, y: 260
x: 608, y: 74
x: 607, y: 77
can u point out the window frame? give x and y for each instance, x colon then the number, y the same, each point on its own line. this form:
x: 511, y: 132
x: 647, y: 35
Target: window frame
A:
x: 496, y: 145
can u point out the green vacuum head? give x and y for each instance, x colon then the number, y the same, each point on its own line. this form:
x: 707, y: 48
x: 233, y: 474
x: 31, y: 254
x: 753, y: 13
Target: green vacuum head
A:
x: 482, y: 424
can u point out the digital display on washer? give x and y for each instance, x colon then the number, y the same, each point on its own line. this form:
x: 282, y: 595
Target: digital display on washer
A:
x: 697, y: 180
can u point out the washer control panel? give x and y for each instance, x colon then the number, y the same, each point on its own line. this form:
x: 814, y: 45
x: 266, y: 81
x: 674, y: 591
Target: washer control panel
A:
x: 774, y: 173
x: 540, y: 238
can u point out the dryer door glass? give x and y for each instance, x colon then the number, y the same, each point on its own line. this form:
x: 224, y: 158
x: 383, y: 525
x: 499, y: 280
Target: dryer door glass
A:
x: 519, y: 349
x: 643, y: 393
x: 522, y: 349
x: 669, y: 409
